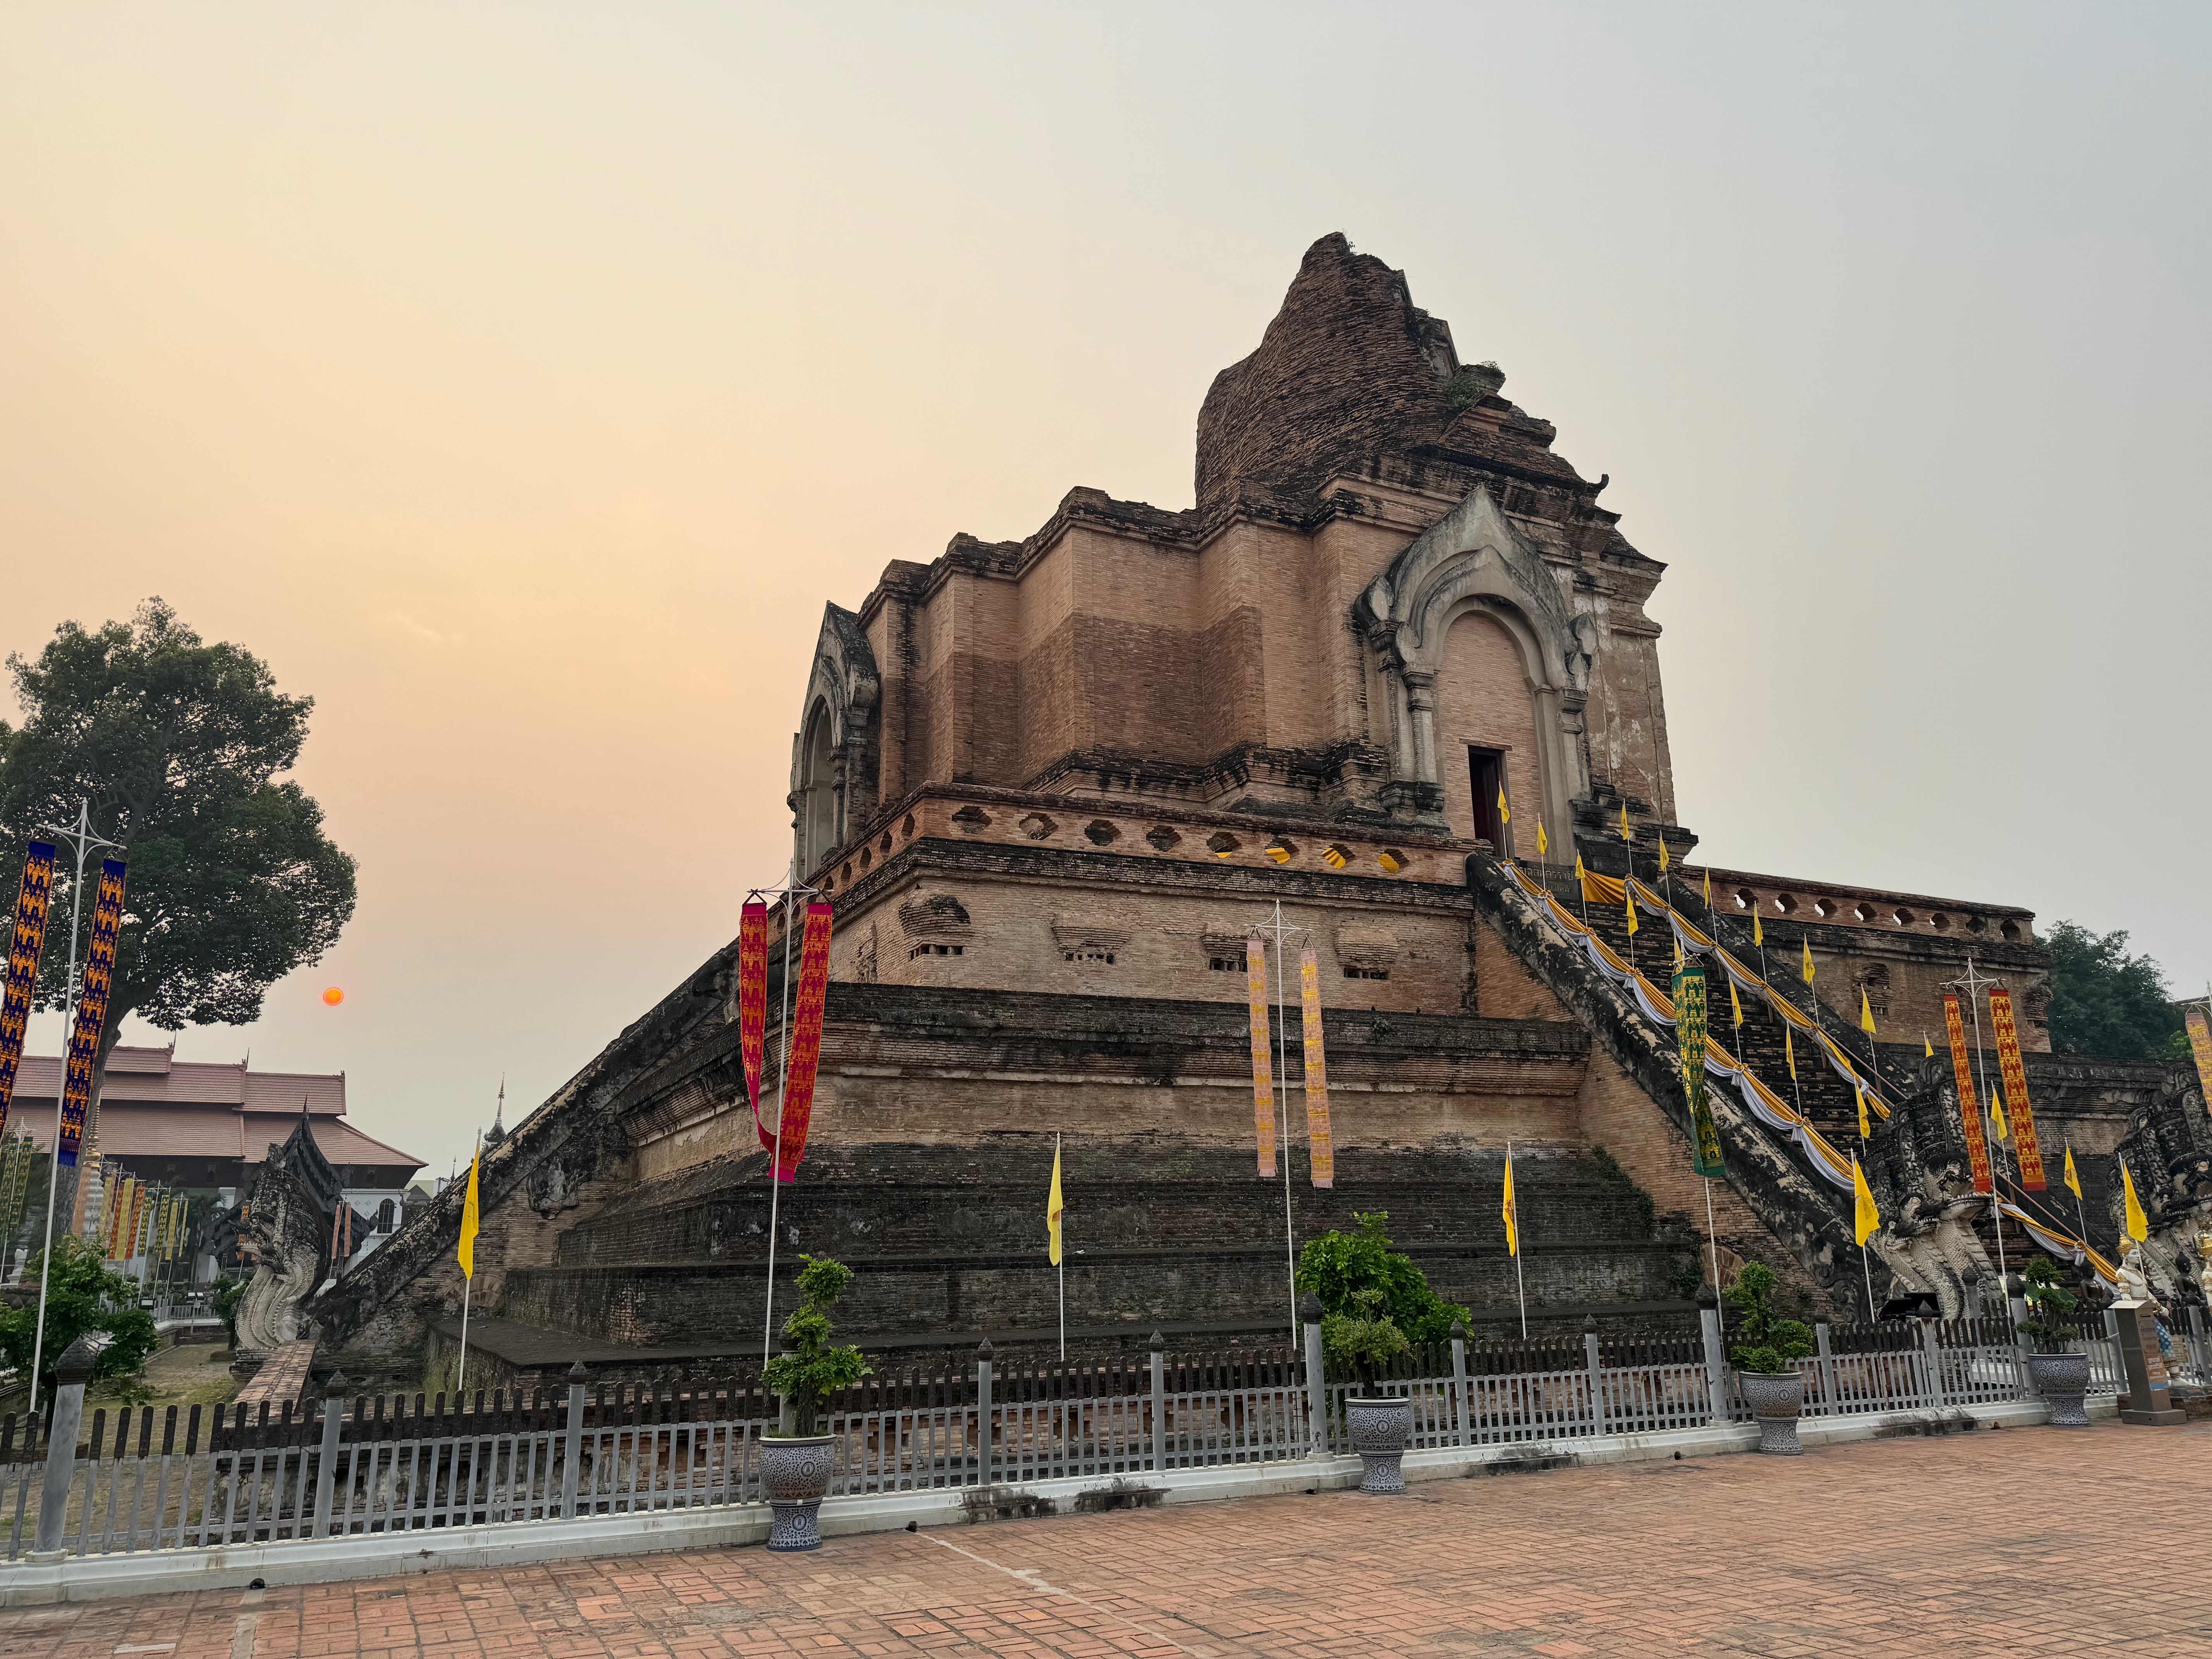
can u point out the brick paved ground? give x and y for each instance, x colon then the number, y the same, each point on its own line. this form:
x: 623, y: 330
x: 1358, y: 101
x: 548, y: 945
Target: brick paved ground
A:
x: 2004, y: 1542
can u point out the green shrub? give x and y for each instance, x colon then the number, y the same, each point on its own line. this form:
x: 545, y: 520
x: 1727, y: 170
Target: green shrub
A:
x: 811, y: 1370
x: 1364, y: 1340
x: 2050, y: 1307
x: 1338, y: 1266
x: 1768, y: 1341
x: 82, y: 1296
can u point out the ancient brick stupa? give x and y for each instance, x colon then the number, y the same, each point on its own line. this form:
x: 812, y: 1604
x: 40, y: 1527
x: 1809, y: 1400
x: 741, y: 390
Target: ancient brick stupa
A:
x: 1053, y: 785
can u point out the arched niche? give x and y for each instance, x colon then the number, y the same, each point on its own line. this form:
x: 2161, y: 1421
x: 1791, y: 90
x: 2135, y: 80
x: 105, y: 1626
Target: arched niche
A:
x: 834, y: 770
x: 1472, y: 562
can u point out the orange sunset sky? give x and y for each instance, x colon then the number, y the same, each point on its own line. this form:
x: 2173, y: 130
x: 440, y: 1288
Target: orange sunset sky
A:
x: 519, y: 381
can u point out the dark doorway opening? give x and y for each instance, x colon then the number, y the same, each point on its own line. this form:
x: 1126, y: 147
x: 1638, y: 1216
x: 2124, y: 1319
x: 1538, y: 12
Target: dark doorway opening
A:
x: 1486, y: 770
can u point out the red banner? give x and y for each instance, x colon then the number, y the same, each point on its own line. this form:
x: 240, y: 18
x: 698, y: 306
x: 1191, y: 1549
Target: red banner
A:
x: 24, y: 947
x: 798, y: 1102
x: 2016, y: 1087
x: 1970, y: 1107
x: 1263, y: 1070
x: 91, y: 1011
x: 752, y: 1006
x: 1321, y: 1147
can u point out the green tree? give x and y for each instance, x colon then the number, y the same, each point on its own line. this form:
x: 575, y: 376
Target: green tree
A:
x: 1768, y: 1341
x: 811, y: 1370
x: 1363, y: 1340
x: 83, y: 1294
x: 2107, y: 1004
x: 1337, y: 1266
x: 178, y: 745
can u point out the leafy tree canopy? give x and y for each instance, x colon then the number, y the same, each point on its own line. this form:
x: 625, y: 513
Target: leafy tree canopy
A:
x: 811, y: 1369
x: 83, y: 1294
x: 2107, y: 1004
x: 178, y: 745
x: 1338, y: 1266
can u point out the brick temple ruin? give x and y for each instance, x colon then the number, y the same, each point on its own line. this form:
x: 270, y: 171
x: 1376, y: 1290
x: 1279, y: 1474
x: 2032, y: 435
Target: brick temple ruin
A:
x: 1051, y: 786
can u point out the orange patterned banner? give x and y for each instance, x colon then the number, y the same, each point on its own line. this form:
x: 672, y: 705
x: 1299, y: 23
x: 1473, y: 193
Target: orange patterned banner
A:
x: 798, y: 1102
x: 2016, y: 1087
x: 1263, y: 1070
x: 24, y: 946
x: 752, y: 1008
x: 1970, y: 1107
x: 94, y: 990
x: 2200, y: 1045
x: 1320, y: 1148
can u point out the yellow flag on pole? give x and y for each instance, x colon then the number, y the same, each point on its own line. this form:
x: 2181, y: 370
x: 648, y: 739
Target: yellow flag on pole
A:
x: 1927, y: 1047
x: 1543, y: 841
x: 1626, y: 834
x: 1512, y: 1228
x: 1868, y: 1219
x: 1866, y: 1012
x: 1790, y: 1054
x: 466, y: 1254
x: 1505, y: 813
x: 1806, y: 970
x: 1709, y: 893
x: 1998, y: 1127
x: 1865, y: 1132
x: 1662, y: 852
x: 1054, y: 1206
x: 2138, y: 1223
x: 1632, y: 914
x: 1736, y: 1007
x: 2073, y: 1175
x: 1758, y: 932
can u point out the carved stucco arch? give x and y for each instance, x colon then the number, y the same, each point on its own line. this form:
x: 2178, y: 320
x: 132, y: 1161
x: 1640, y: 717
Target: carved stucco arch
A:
x: 1472, y: 562
x: 833, y: 771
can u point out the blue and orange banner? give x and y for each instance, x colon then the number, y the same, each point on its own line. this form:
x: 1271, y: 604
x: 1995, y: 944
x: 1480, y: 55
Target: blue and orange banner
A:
x: 1969, y: 1109
x: 24, y: 947
x: 91, y: 1011
x: 1263, y: 1068
x: 1321, y: 1148
x: 752, y: 1005
x: 796, y: 1106
x: 2024, y: 1148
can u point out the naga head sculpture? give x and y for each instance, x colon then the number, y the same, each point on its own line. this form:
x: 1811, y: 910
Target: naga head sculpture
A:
x: 285, y: 1228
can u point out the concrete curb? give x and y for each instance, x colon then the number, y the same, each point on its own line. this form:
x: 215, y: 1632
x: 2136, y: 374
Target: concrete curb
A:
x: 334, y: 1561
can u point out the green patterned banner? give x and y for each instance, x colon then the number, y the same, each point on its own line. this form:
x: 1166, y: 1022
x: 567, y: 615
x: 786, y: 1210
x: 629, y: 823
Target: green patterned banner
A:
x: 1689, y: 989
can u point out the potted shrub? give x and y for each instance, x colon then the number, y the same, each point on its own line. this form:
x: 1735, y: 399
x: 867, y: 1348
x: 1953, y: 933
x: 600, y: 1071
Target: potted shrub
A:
x: 795, y: 1467
x: 1767, y: 1345
x: 2060, y: 1376
x: 1362, y: 1341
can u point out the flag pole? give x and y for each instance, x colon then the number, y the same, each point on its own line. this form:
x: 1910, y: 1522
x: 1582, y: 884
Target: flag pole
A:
x: 468, y: 1286
x: 1520, y: 1288
x: 1866, y: 1265
x: 775, y: 1158
x: 1282, y: 1088
x: 1712, y: 1233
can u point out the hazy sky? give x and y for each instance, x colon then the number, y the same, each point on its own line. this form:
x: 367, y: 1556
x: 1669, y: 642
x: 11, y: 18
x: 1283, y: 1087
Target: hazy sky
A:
x: 520, y: 380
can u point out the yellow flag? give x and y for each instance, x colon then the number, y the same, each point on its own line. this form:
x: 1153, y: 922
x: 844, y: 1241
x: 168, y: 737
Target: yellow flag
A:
x: 1626, y: 834
x: 1054, y: 1206
x: 1543, y: 841
x: 2138, y: 1223
x: 1927, y: 1049
x: 1790, y: 1054
x: 1758, y: 931
x: 1868, y: 1217
x: 466, y: 1254
x: 1631, y: 914
x: 1998, y: 1127
x: 1512, y: 1228
x: 1579, y: 876
x: 1866, y: 1012
x: 1865, y: 1133
x: 1662, y: 852
x: 1505, y: 815
x: 1806, y: 970
x: 2073, y: 1175
x: 1736, y: 1007
x: 1709, y: 893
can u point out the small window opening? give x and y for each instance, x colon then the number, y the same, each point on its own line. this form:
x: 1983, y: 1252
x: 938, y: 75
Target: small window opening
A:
x: 1106, y: 957
x: 1367, y: 973
x: 935, y: 951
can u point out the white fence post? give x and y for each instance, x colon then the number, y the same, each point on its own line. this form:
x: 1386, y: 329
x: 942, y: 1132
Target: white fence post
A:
x: 1160, y: 1403
x: 2016, y: 1303
x: 1597, y: 1374
x: 1459, y: 1384
x: 71, y: 1373
x: 326, y: 1467
x: 1309, y: 1317
x: 1931, y: 1349
x: 983, y: 1425
x: 572, y: 1441
x: 2198, y: 1340
x: 1831, y: 1402
x: 1708, y: 1315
